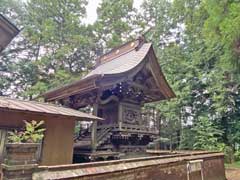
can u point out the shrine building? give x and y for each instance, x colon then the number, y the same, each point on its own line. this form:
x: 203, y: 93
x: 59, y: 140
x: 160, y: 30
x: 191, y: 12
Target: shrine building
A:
x: 122, y: 81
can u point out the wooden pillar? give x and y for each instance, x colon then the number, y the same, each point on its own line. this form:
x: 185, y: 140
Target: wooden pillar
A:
x: 94, y: 129
x: 120, y: 112
x: 3, y: 137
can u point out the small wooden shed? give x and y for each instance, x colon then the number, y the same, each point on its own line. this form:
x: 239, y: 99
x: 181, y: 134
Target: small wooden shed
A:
x: 57, y: 147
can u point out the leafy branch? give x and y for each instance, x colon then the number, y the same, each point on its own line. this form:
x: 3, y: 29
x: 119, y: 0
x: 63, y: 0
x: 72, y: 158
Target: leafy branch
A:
x: 32, y: 133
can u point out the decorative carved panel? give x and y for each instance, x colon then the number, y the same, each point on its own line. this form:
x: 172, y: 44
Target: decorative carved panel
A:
x: 131, y: 114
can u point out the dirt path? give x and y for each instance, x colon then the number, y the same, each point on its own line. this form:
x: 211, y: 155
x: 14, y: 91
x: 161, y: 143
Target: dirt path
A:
x: 233, y: 174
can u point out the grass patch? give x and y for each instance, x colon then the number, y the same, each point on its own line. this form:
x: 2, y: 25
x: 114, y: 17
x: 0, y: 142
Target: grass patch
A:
x: 233, y: 165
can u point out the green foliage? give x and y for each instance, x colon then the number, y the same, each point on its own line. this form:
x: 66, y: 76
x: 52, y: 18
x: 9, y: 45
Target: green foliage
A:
x: 233, y: 165
x: 116, y: 23
x: 33, y: 133
x: 206, y: 135
x: 64, y: 44
x: 53, y: 46
x: 15, y: 137
x: 237, y: 155
x: 187, y: 138
x: 229, y: 154
x: 14, y: 11
x: 194, y: 53
x: 221, y: 29
x: 77, y: 128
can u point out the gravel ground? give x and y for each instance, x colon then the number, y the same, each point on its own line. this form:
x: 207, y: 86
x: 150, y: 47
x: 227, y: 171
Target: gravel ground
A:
x: 233, y: 174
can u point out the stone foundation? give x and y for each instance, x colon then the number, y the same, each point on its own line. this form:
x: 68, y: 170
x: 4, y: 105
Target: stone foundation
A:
x: 19, y: 161
x: 169, y: 167
x: 18, y: 172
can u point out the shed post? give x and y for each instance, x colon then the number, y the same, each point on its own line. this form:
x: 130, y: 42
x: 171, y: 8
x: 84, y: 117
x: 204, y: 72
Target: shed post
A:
x: 3, y: 137
x: 94, y: 129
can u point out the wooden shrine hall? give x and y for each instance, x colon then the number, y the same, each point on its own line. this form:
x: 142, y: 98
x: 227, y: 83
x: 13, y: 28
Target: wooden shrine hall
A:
x: 122, y: 81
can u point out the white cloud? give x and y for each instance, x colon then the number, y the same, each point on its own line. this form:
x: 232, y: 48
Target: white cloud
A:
x: 92, y: 7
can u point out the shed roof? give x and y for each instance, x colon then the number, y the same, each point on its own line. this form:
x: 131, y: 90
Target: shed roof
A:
x: 116, y: 63
x: 7, y: 32
x: 8, y: 104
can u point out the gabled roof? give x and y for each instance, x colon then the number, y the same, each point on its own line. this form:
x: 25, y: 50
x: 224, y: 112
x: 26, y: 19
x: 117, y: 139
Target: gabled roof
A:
x: 113, y: 67
x: 7, y: 32
x: 16, y: 105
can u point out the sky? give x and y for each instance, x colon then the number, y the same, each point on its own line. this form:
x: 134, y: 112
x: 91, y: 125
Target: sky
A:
x: 92, y: 7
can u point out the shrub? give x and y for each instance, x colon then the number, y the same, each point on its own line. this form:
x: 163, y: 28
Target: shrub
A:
x: 228, y: 153
x: 237, y: 155
x: 32, y: 133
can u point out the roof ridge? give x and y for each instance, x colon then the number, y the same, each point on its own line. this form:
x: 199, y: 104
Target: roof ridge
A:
x: 115, y: 48
x: 135, y: 44
x: 144, y: 46
x: 121, y: 54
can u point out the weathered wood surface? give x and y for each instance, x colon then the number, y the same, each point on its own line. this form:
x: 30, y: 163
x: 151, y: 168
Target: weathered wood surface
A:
x: 7, y: 32
x: 119, y: 65
x: 171, y: 167
x: 58, y: 140
x: 3, y: 140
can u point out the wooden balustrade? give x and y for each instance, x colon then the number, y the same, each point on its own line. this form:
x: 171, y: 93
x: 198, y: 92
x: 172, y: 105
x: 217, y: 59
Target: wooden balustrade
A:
x: 126, y: 127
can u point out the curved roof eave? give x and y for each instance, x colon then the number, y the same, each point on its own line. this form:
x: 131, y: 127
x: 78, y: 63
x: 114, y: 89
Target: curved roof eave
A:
x: 161, y: 79
x: 120, y: 67
x: 108, y: 69
x: 71, y: 89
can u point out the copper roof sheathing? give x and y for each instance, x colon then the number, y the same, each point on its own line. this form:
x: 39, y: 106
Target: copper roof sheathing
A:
x: 7, y: 32
x: 117, y: 63
x: 7, y: 104
x: 122, y: 63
